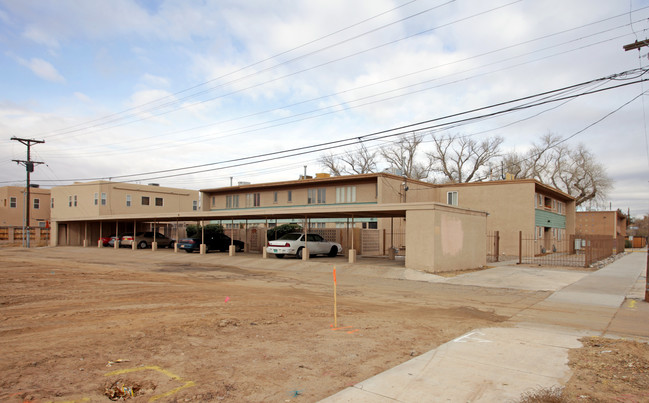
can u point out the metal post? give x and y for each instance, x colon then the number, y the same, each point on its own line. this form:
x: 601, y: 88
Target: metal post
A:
x: 520, y: 247
x: 646, y: 292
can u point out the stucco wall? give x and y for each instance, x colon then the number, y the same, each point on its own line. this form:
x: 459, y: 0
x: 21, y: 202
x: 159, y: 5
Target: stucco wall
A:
x: 13, y: 216
x: 510, y: 207
x: 445, y: 239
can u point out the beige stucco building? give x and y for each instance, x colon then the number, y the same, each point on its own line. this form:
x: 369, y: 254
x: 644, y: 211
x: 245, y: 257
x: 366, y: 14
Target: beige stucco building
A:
x: 513, y: 206
x: 91, y: 201
x: 609, y: 223
x: 12, y: 207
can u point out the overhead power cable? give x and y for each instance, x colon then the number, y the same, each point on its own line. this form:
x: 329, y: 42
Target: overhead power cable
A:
x: 398, y: 131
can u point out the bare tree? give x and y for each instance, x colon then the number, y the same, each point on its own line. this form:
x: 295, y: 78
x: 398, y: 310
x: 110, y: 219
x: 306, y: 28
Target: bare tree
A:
x: 573, y: 171
x: 460, y: 159
x: 404, y: 156
x: 358, y: 161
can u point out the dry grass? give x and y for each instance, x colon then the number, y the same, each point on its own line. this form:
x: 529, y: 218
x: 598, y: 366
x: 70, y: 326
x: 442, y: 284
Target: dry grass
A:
x: 544, y: 395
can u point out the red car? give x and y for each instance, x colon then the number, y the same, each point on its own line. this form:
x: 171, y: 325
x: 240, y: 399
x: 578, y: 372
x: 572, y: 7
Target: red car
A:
x: 105, y: 239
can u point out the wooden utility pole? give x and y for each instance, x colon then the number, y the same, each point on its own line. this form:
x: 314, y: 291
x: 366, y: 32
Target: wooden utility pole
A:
x: 636, y: 45
x: 631, y: 46
x: 29, y: 167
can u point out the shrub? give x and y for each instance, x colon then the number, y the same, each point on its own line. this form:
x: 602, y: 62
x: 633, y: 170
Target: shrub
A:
x: 210, y: 230
x: 279, y: 231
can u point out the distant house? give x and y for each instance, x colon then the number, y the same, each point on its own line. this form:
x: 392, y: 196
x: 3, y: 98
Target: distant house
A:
x: 12, y: 206
x: 608, y: 223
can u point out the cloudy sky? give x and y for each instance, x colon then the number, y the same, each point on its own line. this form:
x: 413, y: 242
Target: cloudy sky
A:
x: 125, y: 89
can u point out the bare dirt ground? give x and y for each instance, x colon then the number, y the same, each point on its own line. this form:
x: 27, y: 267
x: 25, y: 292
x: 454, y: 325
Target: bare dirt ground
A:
x: 86, y: 324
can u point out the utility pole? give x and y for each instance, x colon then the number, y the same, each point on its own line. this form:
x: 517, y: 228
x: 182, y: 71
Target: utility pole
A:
x: 29, y: 167
x: 636, y: 45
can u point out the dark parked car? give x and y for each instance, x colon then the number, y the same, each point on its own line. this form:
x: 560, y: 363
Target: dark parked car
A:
x: 216, y: 242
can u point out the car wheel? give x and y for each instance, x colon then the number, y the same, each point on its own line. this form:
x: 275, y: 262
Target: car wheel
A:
x: 142, y: 245
x: 237, y: 248
x: 279, y: 255
x: 299, y: 253
x: 333, y: 252
x: 188, y: 250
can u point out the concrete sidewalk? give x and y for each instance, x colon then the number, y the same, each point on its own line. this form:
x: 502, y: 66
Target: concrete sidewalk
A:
x: 499, y: 364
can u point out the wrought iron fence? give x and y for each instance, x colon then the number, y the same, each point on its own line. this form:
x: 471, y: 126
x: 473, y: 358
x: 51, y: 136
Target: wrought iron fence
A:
x: 576, y: 250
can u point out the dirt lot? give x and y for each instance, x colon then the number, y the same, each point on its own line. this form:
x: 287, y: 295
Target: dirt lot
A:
x: 181, y: 327
x: 89, y: 324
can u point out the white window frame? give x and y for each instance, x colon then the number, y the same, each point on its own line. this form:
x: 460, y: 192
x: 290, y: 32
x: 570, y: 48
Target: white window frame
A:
x: 37, y: 204
x: 195, y: 204
x: 75, y: 201
x: 289, y: 196
x: 104, y: 198
x: 96, y: 199
x: 13, y: 202
x: 452, y: 198
x: 128, y: 200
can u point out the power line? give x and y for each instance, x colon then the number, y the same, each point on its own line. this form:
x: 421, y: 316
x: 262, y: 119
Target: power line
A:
x: 349, y: 104
x: 418, y: 126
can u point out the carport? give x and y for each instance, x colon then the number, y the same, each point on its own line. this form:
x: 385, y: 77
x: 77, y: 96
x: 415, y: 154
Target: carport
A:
x: 439, y: 237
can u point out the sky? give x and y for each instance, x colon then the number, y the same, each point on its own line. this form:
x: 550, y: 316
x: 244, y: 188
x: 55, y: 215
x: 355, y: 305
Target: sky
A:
x: 201, y: 94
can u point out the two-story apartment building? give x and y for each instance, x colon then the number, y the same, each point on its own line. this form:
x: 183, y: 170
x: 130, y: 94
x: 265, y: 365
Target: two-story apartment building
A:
x: 515, y: 205
x: 12, y: 206
x: 91, y: 201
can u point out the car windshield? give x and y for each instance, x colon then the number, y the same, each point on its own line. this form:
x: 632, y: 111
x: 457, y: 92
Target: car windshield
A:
x: 291, y: 237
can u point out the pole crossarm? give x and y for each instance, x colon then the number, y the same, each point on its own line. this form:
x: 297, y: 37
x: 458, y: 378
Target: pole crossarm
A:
x: 636, y: 45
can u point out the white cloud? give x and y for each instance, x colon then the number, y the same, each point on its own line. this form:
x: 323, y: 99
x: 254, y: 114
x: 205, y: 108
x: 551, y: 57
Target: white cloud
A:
x: 42, y: 69
x: 155, y: 81
x: 82, y: 97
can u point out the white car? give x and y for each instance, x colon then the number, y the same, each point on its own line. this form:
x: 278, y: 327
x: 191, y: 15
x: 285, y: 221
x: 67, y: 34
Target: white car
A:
x: 293, y: 243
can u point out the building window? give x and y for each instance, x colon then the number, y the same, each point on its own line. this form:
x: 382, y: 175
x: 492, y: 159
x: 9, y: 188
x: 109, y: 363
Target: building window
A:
x: 103, y: 199
x: 159, y: 202
x: 253, y: 200
x: 451, y: 198
x: 37, y: 203
x: 145, y: 200
x: 274, y: 197
x: 346, y: 194
x: 317, y: 196
x: 195, y: 204
x: 12, y: 202
x: 75, y: 200
x: 69, y: 201
x: 548, y: 203
x: 128, y: 200
x: 290, y: 196
x: 213, y: 202
x: 232, y: 201
x: 52, y: 202
x: 96, y: 199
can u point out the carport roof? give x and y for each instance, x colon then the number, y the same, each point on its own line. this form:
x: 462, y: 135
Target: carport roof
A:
x: 323, y: 211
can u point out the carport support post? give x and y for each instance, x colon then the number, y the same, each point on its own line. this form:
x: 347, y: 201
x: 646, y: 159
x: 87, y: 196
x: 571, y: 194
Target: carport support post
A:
x: 352, y: 251
x: 85, y: 234
x: 176, y: 243
x: 264, y: 253
x: 305, y: 252
x: 232, y: 249
x: 134, y: 244
x: 203, y: 248
x: 154, y: 245
x: 100, y: 244
x: 116, y: 244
